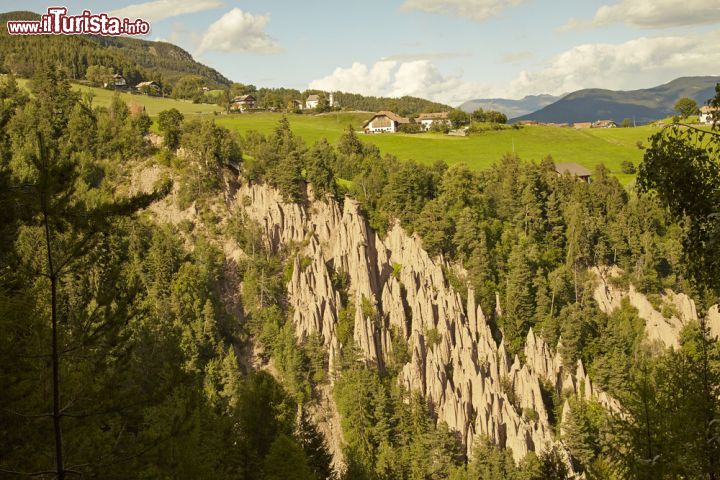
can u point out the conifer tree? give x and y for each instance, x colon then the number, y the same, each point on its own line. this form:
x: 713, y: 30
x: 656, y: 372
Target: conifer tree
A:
x: 315, y: 447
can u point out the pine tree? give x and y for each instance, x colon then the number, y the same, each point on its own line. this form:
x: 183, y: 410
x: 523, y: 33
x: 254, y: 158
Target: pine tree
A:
x: 315, y: 447
x: 519, y: 302
x: 69, y: 230
x: 580, y: 435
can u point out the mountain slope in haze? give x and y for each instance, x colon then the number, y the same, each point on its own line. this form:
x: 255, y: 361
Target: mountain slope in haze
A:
x: 643, y: 105
x: 511, y: 108
x: 135, y: 59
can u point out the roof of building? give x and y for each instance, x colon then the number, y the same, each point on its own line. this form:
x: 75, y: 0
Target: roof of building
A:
x: 146, y: 84
x: 433, y: 116
x: 582, y: 124
x: 573, y: 169
x: 708, y: 109
x: 243, y: 98
x: 390, y: 115
x: 313, y: 98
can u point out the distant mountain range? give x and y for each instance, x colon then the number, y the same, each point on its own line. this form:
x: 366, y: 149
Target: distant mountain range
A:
x: 643, y: 105
x: 511, y: 108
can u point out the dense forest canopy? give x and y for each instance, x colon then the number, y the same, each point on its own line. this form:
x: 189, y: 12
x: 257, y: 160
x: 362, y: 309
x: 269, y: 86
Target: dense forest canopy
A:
x: 124, y: 346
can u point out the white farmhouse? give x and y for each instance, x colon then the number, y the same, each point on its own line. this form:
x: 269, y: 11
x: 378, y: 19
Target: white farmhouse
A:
x: 118, y: 81
x: 242, y: 103
x: 427, y: 120
x: 708, y: 114
x: 384, y: 122
x: 313, y: 100
x: 148, y: 88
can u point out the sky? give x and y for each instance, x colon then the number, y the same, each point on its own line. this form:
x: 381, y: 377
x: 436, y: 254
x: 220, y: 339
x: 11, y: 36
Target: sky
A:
x: 444, y: 50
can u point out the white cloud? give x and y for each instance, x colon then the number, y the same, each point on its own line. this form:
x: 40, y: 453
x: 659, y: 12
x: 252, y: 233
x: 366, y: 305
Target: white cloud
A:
x: 391, y: 78
x: 359, y: 78
x: 161, y: 9
x: 472, y: 9
x: 239, y: 31
x: 639, y: 63
x: 652, y: 14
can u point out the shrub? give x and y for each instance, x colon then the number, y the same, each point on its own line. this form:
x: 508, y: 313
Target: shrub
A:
x: 396, y: 269
x: 626, y: 166
x: 411, y: 128
x: 432, y: 337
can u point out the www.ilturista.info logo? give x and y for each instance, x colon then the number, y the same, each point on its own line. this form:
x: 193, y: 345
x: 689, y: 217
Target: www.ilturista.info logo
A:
x: 58, y: 22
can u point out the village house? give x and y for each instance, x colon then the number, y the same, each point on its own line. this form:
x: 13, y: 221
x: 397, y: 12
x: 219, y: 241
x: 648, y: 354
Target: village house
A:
x: 242, y: 103
x: 580, y: 125
x: 313, y: 100
x: 149, y: 88
x: 604, y: 124
x: 384, y: 122
x: 707, y: 114
x: 297, y: 105
x: 118, y: 81
x: 427, y: 120
x: 573, y: 169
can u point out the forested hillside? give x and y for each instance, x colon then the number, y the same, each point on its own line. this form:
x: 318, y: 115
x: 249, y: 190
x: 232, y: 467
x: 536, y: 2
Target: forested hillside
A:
x: 135, y: 59
x: 405, y: 106
x: 224, y: 307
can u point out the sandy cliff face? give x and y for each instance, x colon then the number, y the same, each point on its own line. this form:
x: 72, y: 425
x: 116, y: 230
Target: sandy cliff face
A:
x: 664, y: 327
x: 455, y: 362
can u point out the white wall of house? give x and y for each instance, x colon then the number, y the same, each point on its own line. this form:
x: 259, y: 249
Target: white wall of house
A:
x: 706, y: 117
x: 310, y: 104
x: 376, y: 126
x: 429, y: 122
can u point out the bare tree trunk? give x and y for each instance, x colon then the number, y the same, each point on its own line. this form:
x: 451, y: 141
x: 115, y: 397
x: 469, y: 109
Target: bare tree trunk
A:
x: 710, y: 399
x: 575, y: 280
x: 56, y: 415
x: 646, y: 409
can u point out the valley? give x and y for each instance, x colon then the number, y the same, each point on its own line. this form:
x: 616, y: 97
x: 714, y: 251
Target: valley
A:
x: 202, y: 279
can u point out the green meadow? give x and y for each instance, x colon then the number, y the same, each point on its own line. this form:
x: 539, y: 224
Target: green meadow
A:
x: 588, y: 147
x: 153, y: 105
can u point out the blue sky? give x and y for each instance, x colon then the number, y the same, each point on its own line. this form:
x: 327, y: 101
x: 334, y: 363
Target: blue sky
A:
x: 446, y: 50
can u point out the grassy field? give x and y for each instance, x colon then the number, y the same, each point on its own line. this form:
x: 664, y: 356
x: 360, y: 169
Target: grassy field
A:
x: 153, y: 105
x: 587, y: 147
x: 310, y: 127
